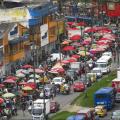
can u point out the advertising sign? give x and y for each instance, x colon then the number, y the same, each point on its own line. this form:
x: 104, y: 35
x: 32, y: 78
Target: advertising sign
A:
x: 14, y: 15
x: 44, y: 34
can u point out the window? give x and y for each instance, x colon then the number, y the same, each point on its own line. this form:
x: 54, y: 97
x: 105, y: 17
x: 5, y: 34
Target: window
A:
x: 100, y: 96
x: 15, y: 31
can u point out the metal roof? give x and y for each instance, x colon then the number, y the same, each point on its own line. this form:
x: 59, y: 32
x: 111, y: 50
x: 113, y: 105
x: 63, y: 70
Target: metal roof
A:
x: 104, y: 90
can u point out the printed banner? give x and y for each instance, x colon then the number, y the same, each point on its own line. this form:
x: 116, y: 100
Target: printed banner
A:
x: 14, y: 15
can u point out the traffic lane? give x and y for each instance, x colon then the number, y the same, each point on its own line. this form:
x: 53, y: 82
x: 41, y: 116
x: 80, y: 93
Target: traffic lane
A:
x: 109, y: 113
x: 65, y: 100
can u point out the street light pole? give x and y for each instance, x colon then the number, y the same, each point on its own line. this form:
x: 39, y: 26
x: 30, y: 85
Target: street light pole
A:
x: 85, y: 75
x: 33, y: 48
x: 44, y: 104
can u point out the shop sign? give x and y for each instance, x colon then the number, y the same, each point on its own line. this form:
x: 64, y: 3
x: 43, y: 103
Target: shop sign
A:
x: 44, y: 34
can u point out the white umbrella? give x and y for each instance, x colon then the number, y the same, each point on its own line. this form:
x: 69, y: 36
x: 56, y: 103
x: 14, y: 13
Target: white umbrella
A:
x: 36, y: 76
x: 32, y: 80
x: 30, y: 70
x: 22, y: 71
x: 20, y: 75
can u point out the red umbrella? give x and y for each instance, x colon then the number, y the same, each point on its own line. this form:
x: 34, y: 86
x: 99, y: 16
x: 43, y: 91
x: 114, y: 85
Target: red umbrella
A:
x: 32, y: 85
x: 75, y: 56
x: 75, y: 37
x: 26, y: 66
x: 81, y: 24
x: 104, y: 38
x: 73, y: 29
x: 1, y: 85
x: 70, y: 23
x: 11, y: 77
x: 9, y: 81
x: 67, y: 48
x: 1, y: 100
x: 22, y: 83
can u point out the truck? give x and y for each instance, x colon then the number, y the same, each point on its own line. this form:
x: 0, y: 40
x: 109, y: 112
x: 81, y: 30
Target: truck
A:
x: 105, y: 96
x: 38, y: 111
x: 75, y: 66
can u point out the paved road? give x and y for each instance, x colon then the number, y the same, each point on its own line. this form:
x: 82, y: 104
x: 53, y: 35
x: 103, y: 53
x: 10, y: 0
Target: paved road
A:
x: 64, y: 100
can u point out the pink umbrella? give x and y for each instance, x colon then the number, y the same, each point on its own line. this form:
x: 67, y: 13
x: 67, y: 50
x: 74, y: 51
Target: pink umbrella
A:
x: 1, y: 85
x: 86, y: 42
x: 76, y: 44
x: 75, y: 37
x: 26, y: 66
x: 102, y: 43
x: 11, y: 77
x: 73, y: 29
x: 22, y: 83
x: 9, y: 81
x: 76, y: 56
x: 57, y: 70
x: 65, y: 61
x: 72, y: 60
x: 67, y: 48
x: 39, y: 70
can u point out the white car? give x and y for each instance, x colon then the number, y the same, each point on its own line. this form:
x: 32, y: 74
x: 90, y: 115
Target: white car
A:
x: 58, y: 80
x: 116, y: 115
x: 97, y: 71
x: 107, y: 54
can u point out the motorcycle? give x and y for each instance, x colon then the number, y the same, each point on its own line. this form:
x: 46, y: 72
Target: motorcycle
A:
x: 66, y: 90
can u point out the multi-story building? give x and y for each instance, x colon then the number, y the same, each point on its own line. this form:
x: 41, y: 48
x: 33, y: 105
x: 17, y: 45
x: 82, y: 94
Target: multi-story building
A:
x: 16, y: 38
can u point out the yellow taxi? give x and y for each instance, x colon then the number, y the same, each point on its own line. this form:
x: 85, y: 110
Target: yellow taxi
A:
x: 101, y: 110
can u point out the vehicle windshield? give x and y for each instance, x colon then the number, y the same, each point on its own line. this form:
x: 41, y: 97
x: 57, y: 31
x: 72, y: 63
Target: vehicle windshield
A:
x: 118, y: 94
x: 37, y: 111
x: 101, y: 65
x: 117, y: 113
x: 57, y: 80
x: 52, y: 103
x: 100, y: 96
x: 96, y: 71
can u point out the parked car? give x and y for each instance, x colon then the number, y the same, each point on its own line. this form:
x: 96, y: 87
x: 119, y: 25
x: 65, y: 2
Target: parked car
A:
x: 87, y: 112
x: 58, y: 80
x: 101, y: 110
x: 54, y: 106
x: 116, y: 115
x: 117, y: 97
x: 98, y: 72
x: 107, y: 54
x: 78, y: 86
